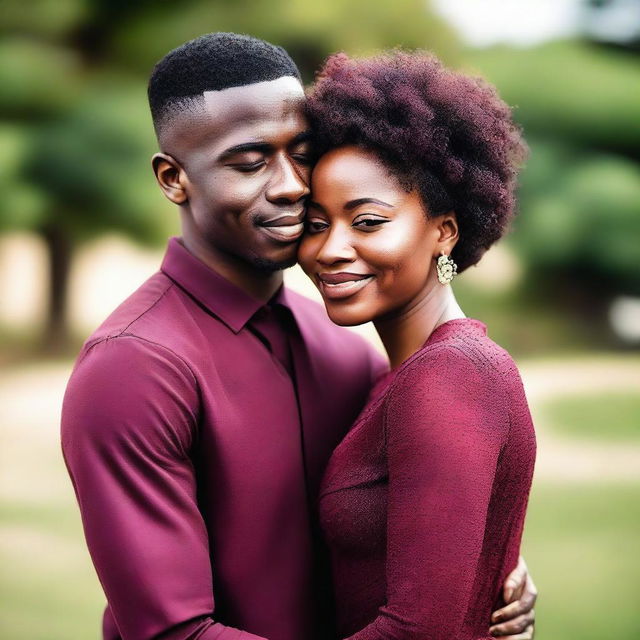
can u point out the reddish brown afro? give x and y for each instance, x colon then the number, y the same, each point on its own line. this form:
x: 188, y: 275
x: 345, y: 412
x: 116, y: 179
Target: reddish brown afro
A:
x: 446, y: 134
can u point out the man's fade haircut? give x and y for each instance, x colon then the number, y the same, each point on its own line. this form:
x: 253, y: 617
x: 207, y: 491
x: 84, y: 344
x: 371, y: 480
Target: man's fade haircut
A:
x: 212, y: 62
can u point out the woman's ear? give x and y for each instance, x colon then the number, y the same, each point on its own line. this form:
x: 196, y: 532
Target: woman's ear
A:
x: 447, y: 232
x: 171, y: 177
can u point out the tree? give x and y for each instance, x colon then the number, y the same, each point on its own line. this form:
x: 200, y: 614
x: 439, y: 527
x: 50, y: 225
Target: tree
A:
x: 579, y: 223
x: 73, y: 118
x: 574, y: 92
x: 76, y: 155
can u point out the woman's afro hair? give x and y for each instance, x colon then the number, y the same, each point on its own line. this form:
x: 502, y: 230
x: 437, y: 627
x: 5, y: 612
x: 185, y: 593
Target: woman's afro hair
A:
x: 446, y: 134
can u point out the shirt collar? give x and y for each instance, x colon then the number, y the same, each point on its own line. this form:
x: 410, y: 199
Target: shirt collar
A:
x: 224, y: 299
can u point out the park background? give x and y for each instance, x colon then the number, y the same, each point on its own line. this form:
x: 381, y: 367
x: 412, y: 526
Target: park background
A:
x: 82, y: 224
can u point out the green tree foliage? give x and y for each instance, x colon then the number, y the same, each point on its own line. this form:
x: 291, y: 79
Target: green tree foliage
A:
x: 308, y: 30
x: 75, y: 136
x: 580, y: 220
x: 75, y: 157
x: 582, y: 93
x: 579, y: 223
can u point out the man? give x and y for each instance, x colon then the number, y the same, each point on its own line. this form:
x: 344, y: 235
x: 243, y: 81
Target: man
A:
x: 200, y: 415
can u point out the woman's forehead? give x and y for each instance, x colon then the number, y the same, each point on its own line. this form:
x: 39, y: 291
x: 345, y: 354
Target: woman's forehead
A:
x: 352, y: 167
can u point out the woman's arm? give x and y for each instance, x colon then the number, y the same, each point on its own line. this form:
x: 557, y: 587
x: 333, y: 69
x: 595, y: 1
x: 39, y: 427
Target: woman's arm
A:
x: 445, y: 425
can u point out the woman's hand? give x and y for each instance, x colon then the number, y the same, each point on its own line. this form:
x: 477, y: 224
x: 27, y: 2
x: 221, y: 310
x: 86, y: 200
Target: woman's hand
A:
x: 516, y: 620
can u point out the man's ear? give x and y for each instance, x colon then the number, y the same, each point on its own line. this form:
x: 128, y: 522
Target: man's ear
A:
x: 448, y: 236
x: 171, y: 177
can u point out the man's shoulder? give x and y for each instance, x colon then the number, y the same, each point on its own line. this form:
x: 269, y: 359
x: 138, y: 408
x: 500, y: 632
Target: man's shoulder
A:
x: 139, y: 336
x: 143, y: 303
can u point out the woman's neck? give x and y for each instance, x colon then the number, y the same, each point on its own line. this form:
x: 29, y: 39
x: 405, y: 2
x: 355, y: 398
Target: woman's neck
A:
x: 405, y: 331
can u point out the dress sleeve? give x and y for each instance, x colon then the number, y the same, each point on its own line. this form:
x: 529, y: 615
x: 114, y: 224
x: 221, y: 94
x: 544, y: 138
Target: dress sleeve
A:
x: 445, y: 424
x: 129, y: 420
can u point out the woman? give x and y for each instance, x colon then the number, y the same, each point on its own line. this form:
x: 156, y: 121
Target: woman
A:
x: 423, y: 502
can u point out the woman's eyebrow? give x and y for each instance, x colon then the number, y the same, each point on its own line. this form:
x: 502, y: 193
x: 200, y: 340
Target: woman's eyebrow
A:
x: 352, y: 204
x: 314, y: 205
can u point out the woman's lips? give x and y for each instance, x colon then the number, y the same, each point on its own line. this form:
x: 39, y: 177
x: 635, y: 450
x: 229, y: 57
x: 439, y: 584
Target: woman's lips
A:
x: 335, y: 286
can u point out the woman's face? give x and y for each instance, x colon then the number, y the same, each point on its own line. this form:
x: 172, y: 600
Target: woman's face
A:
x: 369, y: 245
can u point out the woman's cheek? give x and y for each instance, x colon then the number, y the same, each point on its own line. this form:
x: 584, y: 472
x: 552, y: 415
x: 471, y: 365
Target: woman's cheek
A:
x: 387, y: 251
x: 307, y: 252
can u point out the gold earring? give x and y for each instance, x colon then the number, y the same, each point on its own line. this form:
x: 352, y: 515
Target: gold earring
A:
x: 446, y: 268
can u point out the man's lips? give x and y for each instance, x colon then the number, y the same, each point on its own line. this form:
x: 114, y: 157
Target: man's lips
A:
x: 335, y: 286
x: 283, y: 220
x: 284, y: 228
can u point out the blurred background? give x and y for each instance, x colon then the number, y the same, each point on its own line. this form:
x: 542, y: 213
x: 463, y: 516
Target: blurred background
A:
x: 82, y: 224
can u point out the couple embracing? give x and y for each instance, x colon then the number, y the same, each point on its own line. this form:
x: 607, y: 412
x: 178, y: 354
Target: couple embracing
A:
x: 246, y: 468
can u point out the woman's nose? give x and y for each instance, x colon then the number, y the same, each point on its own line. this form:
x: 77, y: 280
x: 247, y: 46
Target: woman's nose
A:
x: 336, y: 247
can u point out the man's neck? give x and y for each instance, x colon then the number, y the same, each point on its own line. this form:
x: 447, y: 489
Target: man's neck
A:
x: 258, y: 283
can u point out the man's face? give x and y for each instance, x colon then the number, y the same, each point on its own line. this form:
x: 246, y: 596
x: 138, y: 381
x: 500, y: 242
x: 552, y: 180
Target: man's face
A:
x: 245, y: 165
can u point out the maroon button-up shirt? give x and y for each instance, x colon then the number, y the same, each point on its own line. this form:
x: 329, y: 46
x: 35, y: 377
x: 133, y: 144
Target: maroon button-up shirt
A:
x: 196, y: 457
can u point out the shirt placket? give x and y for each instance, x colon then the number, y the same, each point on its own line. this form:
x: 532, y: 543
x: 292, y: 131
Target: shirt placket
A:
x: 269, y: 325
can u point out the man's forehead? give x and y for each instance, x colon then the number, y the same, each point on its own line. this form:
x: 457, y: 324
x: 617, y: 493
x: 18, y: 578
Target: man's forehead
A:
x: 254, y: 110
x: 256, y: 101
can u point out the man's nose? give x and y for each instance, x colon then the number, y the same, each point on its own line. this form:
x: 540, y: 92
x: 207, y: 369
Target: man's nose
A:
x: 289, y: 183
x: 336, y: 247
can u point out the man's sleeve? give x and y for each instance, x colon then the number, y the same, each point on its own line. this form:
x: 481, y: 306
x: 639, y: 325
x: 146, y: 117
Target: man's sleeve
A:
x: 129, y: 421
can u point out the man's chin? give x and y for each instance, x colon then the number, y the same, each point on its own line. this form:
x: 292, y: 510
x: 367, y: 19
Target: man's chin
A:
x: 267, y: 265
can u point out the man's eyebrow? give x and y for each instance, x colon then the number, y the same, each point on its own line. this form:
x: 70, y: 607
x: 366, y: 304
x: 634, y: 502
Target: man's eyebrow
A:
x: 244, y: 148
x: 303, y: 136
x: 352, y: 204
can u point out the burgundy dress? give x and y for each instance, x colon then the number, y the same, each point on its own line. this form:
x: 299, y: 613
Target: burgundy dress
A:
x: 423, y: 502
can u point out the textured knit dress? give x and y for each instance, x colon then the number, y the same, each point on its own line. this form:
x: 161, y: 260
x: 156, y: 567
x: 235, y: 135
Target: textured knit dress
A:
x: 423, y: 502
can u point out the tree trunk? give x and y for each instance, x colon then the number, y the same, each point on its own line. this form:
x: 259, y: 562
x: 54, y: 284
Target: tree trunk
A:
x: 59, y: 250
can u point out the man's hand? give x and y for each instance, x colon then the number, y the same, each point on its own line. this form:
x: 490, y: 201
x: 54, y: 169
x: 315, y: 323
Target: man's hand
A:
x: 517, y: 618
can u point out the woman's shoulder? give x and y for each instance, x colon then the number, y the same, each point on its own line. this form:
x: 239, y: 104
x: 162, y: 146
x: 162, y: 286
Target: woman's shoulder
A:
x: 458, y: 362
x: 459, y: 372
x: 459, y: 344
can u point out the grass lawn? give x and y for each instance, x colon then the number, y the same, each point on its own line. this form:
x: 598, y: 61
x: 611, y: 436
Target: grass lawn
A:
x: 581, y: 544
x: 608, y: 416
x: 48, y: 589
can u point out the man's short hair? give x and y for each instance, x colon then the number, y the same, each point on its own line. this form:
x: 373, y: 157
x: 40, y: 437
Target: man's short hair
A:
x: 212, y: 62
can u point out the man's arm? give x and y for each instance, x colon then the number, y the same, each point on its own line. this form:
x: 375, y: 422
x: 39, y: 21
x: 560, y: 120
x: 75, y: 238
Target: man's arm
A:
x: 128, y: 424
x: 516, y: 620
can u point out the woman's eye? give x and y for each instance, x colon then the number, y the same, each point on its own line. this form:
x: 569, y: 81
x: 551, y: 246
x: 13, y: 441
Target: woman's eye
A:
x: 369, y: 223
x: 315, y: 226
